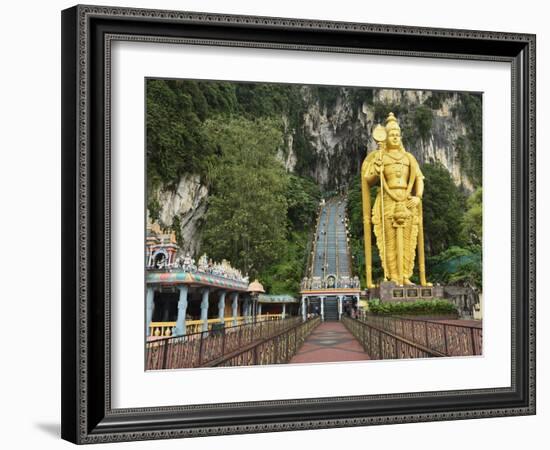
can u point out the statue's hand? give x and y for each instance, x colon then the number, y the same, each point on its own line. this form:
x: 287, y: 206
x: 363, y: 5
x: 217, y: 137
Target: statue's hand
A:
x: 378, y: 166
x: 413, y: 202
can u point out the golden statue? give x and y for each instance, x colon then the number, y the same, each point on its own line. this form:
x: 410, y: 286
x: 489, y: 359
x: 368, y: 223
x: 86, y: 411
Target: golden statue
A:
x: 397, y: 174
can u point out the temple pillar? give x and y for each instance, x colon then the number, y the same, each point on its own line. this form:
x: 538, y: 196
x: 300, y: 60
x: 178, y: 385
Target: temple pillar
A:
x: 259, y: 309
x: 322, y: 301
x: 283, y: 315
x: 244, y: 310
x: 204, y: 309
x: 234, y: 307
x: 181, y: 328
x: 221, y: 306
x: 304, y: 311
x: 248, y: 310
x: 150, y: 305
x: 254, y: 309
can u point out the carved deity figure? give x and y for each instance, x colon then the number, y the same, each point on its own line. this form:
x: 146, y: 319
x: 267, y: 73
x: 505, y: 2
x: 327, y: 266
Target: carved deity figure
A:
x: 396, y: 215
x: 187, y: 261
x: 203, y: 263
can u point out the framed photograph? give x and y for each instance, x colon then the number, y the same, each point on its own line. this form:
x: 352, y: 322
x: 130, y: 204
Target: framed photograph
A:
x: 282, y: 224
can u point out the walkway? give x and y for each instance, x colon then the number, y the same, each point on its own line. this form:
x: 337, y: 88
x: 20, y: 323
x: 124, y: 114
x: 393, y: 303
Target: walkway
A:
x: 330, y: 342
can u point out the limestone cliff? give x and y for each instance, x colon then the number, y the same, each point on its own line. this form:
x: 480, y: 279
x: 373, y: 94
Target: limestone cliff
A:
x: 181, y: 209
x: 339, y: 134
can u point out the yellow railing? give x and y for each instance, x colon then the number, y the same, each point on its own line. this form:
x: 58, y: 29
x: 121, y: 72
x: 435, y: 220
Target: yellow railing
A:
x: 166, y: 329
x: 162, y: 329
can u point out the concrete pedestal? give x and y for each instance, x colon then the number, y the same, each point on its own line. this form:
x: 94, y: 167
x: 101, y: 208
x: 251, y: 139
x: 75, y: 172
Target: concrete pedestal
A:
x: 390, y: 292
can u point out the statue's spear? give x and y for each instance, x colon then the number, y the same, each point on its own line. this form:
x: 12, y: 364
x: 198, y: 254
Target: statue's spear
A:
x: 367, y: 225
x: 379, y: 134
x: 365, y: 193
x: 421, y: 261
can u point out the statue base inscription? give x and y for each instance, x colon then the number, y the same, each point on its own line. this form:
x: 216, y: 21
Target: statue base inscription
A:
x: 391, y: 292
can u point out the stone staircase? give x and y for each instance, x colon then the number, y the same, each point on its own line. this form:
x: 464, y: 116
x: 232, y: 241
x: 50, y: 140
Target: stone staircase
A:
x: 331, y: 308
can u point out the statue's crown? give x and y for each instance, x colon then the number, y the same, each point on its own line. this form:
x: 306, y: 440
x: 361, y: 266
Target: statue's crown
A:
x: 391, y: 123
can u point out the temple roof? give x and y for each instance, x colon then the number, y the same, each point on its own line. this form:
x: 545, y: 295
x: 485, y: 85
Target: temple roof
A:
x: 174, y: 277
x: 285, y: 298
x: 256, y: 287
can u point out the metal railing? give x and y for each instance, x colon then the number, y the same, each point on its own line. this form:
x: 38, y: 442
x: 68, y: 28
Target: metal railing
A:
x: 446, y: 338
x: 278, y: 349
x: 380, y: 344
x: 200, y: 349
x: 167, y: 329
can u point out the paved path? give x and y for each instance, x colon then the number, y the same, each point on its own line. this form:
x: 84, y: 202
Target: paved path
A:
x: 330, y: 342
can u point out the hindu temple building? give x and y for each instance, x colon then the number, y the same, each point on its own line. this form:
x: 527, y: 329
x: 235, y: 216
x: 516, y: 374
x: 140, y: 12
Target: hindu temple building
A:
x: 184, y: 296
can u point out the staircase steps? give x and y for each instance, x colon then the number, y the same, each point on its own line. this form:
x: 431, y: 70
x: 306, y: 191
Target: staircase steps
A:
x: 331, y: 309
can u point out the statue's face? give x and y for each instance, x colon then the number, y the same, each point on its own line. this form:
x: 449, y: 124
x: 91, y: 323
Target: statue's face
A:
x: 394, y: 138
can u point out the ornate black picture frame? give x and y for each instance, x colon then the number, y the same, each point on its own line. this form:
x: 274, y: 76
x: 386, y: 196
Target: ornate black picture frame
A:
x: 87, y: 414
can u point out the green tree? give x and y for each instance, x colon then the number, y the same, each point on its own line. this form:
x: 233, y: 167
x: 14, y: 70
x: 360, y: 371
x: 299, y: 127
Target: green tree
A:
x: 173, y: 133
x: 176, y: 143
x: 457, y: 265
x: 284, y: 276
x: 303, y: 197
x: 468, y: 274
x: 247, y: 209
x: 472, y: 225
x: 443, y: 206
